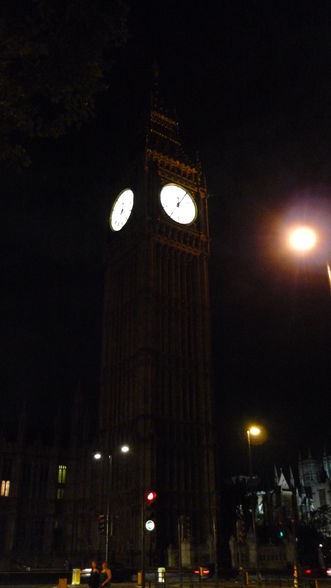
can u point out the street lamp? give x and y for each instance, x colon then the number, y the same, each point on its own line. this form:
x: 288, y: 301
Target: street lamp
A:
x: 256, y: 434
x: 303, y: 239
x: 97, y: 456
x: 255, y: 431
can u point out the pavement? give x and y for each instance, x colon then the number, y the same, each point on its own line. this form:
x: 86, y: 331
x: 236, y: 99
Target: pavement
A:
x: 211, y: 583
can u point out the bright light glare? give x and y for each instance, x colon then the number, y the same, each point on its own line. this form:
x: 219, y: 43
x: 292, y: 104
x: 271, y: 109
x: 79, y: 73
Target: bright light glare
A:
x: 254, y: 430
x: 150, y: 525
x: 125, y: 449
x: 256, y: 434
x: 97, y: 455
x: 303, y: 239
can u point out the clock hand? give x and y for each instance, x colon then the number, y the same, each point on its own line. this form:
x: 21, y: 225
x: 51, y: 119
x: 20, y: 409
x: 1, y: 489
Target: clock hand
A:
x: 180, y: 201
x: 178, y: 205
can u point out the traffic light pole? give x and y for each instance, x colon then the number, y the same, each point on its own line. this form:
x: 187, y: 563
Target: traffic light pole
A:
x: 180, y: 537
x: 108, y: 521
x: 148, y: 498
x: 253, y: 505
x: 143, y: 541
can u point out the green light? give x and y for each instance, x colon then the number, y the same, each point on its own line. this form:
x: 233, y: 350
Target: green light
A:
x: 281, y: 534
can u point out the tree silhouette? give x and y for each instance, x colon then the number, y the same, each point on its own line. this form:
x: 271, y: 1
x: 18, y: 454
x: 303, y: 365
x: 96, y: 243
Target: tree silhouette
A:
x: 56, y: 57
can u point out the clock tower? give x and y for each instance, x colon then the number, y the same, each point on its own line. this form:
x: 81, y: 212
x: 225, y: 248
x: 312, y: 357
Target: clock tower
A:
x: 156, y: 363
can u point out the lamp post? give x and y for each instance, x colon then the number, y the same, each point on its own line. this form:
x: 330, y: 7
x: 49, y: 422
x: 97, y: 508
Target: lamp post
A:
x: 257, y: 433
x: 303, y: 239
x: 109, y: 530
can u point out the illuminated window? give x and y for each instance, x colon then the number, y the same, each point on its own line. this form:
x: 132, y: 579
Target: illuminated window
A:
x: 5, y: 487
x: 62, y: 474
x: 60, y: 493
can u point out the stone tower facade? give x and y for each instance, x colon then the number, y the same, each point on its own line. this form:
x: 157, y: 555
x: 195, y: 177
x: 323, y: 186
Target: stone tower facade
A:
x: 156, y: 364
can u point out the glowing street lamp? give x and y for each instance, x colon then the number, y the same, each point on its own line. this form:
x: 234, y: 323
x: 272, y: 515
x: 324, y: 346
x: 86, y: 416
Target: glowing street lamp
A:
x: 256, y: 434
x: 254, y: 431
x: 123, y: 449
x: 303, y: 239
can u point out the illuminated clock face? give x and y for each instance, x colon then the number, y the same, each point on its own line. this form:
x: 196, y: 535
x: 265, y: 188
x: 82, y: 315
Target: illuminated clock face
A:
x: 121, y: 210
x: 178, y: 204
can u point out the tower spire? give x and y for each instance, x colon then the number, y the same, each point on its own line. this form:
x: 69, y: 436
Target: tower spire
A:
x: 163, y: 139
x: 292, y: 481
x: 276, y: 479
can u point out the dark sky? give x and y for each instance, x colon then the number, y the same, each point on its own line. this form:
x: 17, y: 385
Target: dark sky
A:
x: 251, y: 85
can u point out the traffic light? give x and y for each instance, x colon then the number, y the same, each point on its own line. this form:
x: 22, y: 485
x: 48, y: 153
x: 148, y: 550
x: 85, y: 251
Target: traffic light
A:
x: 150, y: 497
x: 101, y: 524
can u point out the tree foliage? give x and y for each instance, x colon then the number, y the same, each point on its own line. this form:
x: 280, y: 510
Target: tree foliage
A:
x: 56, y: 56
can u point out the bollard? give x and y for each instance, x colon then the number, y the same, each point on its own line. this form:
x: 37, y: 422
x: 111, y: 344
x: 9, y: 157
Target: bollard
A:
x: 62, y: 583
x: 139, y: 578
x: 246, y: 578
x: 161, y: 575
x: 295, y: 576
x: 75, y: 577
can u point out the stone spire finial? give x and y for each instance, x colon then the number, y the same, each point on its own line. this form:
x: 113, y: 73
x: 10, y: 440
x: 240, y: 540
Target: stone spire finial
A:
x: 275, y: 475
x: 292, y: 482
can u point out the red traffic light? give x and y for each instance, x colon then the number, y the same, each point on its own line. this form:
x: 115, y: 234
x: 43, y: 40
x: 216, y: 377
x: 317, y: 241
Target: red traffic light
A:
x: 202, y: 572
x: 150, y: 496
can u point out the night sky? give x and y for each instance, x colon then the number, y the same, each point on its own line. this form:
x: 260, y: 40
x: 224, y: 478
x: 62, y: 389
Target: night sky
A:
x: 251, y: 86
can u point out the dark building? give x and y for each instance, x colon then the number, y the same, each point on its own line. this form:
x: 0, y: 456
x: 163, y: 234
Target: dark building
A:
x: 155, y: 395
x: 292, y: 518
x: 48, y: 497
x: 156, y: 365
